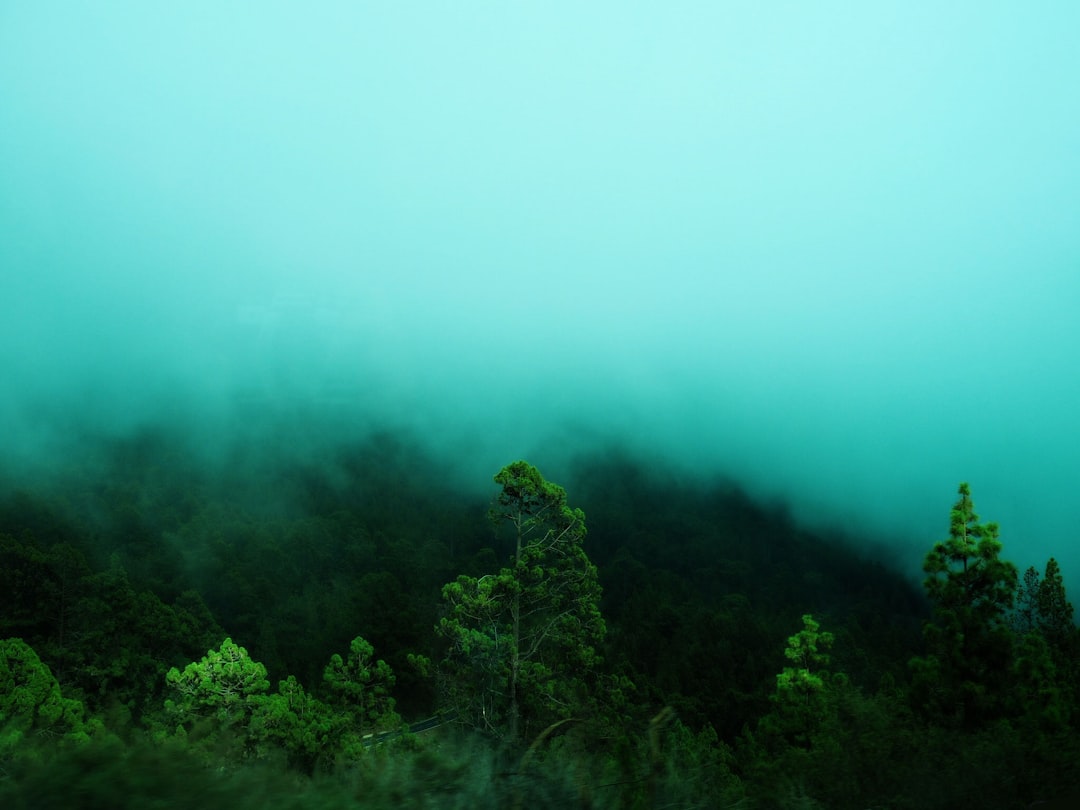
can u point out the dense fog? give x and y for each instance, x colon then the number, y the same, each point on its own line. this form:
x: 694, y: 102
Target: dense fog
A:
x: 828, y: 252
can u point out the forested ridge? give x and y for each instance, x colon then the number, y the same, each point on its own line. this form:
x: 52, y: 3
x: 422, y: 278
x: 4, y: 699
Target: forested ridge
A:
x: 265, y: 630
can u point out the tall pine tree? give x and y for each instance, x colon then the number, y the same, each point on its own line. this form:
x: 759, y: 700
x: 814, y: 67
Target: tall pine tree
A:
x: 963, y: 679
x: 523, y: 640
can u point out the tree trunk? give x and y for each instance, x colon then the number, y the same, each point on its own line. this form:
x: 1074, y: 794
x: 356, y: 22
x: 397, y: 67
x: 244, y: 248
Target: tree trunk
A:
x: 515, y: 642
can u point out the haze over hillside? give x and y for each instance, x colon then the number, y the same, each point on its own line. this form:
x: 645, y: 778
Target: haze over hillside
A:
x: 830, y: 253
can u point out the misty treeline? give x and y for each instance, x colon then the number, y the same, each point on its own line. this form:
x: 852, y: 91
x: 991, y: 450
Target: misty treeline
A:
x: 271, y: 630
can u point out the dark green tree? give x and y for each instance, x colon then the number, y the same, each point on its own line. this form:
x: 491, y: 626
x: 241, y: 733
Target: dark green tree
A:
x: 31, y: 701
x: 1043, y: 609
x: 807, y: 652
x: 225, y: 686
x: 1055, y: 612
x: 801, y: 700
x: 1040, y: 696
x: 360, y: 687
x: 523, y: 640
x: 293, y: 720
x: 964, y: 676
x: 1026, y: 616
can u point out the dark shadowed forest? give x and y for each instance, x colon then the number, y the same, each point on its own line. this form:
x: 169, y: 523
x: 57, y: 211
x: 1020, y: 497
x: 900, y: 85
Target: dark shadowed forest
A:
x: 357, y: 631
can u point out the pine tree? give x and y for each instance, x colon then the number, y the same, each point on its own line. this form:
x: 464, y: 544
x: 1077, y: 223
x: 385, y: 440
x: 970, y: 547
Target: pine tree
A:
x: 802, y: 699
x: 1046, y: 654
x: 361, y: 686
x: 523, y: 641
x: 31, y: 702
x: 226, y: 685
x: 299, y: 724
x: 964, y: 676
x: 806, y: 650
x: 1054, y: 610
x: 1026, y: 617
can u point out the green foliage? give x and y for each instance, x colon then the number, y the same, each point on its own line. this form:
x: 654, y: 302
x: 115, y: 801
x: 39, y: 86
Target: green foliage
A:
x: 31, y: 701
x: 688, y: 769
x: 1047, y: 653
x: 1040, y: 690
x: 965, y: 573
x: 124, y: 640
x: 297, y: 723
x: 361, y: 686
x: 700, y: 583
x: 137, y: 777
x: 806, y: 650
x: 110, y: 643
x: 1055, y: 612
x: 225, y: 685
x: 523, y: 641
x: 802, y: 699
x: 1025, y: 618
x: 964, y: 677
x: 873, y: 751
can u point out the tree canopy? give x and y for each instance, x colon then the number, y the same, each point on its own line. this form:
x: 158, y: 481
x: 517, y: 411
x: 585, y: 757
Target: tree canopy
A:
x: 523, y: 640
x: 969, y: 640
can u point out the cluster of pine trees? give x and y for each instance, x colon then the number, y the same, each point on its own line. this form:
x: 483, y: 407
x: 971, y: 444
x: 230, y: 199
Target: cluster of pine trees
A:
x: 167, y: 631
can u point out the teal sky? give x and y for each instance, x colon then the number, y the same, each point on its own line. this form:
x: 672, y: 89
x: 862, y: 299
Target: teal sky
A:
x: 829, y: 248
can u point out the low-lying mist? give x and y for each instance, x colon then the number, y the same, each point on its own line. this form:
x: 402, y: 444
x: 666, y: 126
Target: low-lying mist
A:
x: 839, y: 270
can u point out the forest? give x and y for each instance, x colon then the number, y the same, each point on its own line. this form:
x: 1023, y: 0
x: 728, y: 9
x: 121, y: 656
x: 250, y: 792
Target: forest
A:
x: 355, y: 629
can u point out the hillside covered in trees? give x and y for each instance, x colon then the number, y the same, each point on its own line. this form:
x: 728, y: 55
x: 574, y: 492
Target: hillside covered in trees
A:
x: 273, y: 632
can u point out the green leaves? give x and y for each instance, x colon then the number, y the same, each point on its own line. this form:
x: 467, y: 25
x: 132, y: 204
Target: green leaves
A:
x: 296, y: 722
x: 360, y: 684
x: 227, y: 690
x: 969, y: 640
x: 806, y: 650
x: 965, y: 572
x: 30, y: 698
x: 805, y: 693
x: 522, y: 639
x: 224, y: 683
x: 532, y: 505
x: 1054, y: 610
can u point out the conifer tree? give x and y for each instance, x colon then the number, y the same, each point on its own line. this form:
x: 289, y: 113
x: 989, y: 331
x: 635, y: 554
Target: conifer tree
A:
x: 1026, y: 617
x: 964, y: 675
x: 31, y: 702
x: 226, y: 686
x: 807, y: 652
x: 1042, y: 608
x: 523, y: 640
x: 361, y: 686
x: 298, y: 723
x: 802, y: 699
x: 1054, y: 610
